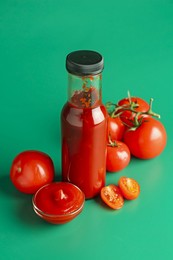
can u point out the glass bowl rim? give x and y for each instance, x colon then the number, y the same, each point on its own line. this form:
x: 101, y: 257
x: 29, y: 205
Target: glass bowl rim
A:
x: 58, y: 215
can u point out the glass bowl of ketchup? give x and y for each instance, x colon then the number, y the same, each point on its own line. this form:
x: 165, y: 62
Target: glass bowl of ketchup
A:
x: 58, y: 202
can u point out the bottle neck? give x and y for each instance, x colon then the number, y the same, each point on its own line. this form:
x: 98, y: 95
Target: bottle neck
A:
x: 85, y: 91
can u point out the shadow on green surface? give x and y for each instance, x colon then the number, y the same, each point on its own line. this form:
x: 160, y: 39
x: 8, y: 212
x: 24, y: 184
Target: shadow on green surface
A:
x: 27, y: 215
x: 29, y: 218
x: 21, y: 204
x: 8, y: 188
x: 101, y: 204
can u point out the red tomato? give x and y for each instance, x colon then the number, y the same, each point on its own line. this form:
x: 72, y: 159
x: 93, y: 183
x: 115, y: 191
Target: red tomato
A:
x: 118, y: 156
x: 112, y: 196
x: 148, y: 140
x: 115, y: 128
x: 129, y: 188
x: 138, y: 104
x: 30, y: 170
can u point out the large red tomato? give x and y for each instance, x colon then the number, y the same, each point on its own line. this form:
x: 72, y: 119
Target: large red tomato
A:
x: 148, y: 140
x: 31, y: 170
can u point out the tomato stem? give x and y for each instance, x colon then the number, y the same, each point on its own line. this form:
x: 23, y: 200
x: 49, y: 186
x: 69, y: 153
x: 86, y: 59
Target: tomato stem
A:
x: 112, y: 143
x: 19, y: 170
x: 138, y: 118
x: 150, y: 111
x: 129, y: 96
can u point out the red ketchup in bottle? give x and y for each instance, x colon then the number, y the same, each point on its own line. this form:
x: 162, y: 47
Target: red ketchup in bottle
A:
x: 83, y: 124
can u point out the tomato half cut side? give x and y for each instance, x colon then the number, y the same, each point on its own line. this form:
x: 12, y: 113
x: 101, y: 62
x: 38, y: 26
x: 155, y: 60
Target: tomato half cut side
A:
x: 129, y: 187
x: 112, y: 196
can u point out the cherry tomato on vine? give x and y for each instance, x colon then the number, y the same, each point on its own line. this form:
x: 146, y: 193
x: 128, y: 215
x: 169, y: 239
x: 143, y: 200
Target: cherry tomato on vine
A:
x: 115, y: 128
x: 129, y: 187
x: 31, y: 170
x: 118, y: 156
x: 137, y: 104
x: 112, y: 196
x: 148, y: 140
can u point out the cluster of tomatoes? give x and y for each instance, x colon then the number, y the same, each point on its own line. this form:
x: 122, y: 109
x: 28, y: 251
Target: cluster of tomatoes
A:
x: 133, y: 130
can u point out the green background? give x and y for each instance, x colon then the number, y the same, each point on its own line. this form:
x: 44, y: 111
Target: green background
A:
x: 136, y: 40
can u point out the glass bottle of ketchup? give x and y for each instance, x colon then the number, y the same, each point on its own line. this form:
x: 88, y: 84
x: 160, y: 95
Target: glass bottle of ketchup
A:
x: 83, y: 124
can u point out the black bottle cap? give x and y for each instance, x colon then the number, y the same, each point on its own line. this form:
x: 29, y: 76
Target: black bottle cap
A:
x: 84, y: 62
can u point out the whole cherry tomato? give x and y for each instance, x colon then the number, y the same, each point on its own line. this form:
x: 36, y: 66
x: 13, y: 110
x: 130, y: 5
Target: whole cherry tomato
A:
x: 148, y: 140
x: 112, y: 196
x: 115, y: 128
x: 118, y: 156
x: 31, y: 170
x: 135, y: 103
x: 129, y: 187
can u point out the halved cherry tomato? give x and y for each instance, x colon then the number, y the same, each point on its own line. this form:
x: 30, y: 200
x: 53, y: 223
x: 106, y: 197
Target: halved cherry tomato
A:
x: 112, y: 196
x: 129, y: 188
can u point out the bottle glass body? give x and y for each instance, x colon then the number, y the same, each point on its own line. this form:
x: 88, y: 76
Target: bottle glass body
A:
x: 83, y: 128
